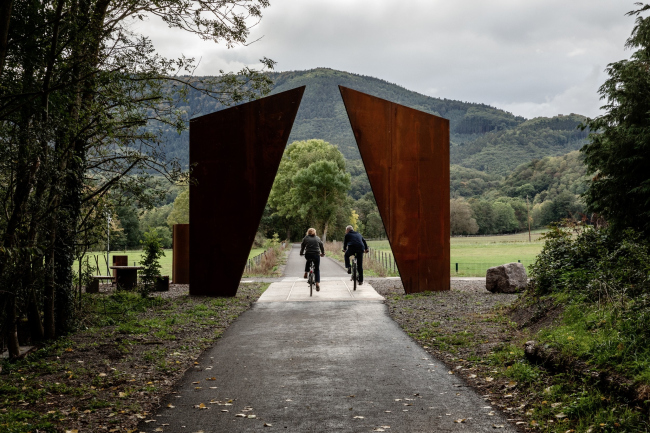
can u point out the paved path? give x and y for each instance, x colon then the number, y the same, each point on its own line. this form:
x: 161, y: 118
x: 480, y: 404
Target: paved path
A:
x: 335, y: 283
x: 328, y: 366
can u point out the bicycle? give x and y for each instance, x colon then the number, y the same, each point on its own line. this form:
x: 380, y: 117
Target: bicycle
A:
x: 311, y: 279
x: 355, y: 275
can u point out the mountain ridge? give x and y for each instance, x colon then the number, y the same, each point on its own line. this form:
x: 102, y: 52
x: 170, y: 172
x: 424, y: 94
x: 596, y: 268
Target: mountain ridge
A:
x: 482, y: 137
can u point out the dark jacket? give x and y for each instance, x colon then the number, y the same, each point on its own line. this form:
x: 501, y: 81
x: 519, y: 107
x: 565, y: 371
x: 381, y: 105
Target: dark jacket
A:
x: 311, y: 245
x: 354, y: 241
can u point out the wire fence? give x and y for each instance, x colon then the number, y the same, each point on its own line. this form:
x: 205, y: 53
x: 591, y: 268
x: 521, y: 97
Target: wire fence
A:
x: 386, y: 260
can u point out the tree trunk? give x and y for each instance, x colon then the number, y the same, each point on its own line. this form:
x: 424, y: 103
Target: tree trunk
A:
x: 325, y: 231
x: 48, y: 290
x: 10, y: 326
x: 5, y: 19
x: 34, y: 317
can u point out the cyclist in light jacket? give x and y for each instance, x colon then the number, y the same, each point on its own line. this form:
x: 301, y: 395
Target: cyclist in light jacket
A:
x: 313, y: 250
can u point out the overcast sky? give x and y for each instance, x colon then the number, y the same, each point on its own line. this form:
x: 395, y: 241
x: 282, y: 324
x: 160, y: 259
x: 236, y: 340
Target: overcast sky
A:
x: 529, y: 57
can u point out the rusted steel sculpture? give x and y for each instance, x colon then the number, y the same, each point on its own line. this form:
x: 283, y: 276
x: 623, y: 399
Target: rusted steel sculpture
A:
x: 406, y: 155
x: 235, y: 154
x: 181, y: 254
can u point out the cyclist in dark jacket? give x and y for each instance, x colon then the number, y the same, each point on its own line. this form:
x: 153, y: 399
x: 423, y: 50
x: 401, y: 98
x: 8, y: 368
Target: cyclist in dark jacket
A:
x: 354, y: 243
x: 312, y: 248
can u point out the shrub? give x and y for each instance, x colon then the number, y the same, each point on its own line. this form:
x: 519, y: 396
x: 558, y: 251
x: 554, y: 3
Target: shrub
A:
x: 152, y: 252
x: 593, y: 262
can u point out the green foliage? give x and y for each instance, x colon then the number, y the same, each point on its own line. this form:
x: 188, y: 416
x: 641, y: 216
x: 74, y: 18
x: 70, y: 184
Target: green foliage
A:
x: 180, y: 213
x: 311, y: 184
x: 150, y: 262
x: 602, y: 278
x: 619, y: 153
x: 500, y: 152
x: 128, y: 234
x: 460, y: 218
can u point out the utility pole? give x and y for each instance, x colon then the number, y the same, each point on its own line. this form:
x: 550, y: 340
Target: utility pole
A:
x: 108, y: 240
x: 528, y: 215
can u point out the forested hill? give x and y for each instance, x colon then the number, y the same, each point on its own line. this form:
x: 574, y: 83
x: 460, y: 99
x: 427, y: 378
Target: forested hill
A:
x: 483, y: 137
x: 322, y: 114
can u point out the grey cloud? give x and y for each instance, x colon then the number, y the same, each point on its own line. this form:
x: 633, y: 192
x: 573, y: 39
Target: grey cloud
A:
x: 535, y: 56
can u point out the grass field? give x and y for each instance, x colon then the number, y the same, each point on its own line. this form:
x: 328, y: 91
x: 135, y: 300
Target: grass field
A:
x: 474, y: 255
x: 134, y: 260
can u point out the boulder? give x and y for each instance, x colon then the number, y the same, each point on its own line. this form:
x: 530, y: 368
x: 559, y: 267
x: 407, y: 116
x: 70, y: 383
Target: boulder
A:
x: 508, y: 278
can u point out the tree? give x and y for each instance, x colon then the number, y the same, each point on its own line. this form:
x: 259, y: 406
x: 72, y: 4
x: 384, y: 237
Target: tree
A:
x: 83, y: 101
x: 152, y: 252
x: 311, y: 183
x: 318, y: 192
x: 180, y: 213
x: 618, y: 154
x: 505, y: 220
x: 461, y: 221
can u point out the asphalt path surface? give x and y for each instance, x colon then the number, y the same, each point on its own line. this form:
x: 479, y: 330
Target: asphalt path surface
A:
x: 295, y: 266
x: 330, y: 366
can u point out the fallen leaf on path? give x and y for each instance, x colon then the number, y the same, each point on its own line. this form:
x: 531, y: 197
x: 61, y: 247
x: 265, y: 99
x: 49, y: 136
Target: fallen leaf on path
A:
x: 240, y: 415
x: 450, y: 372
x: 266, y: 424
x: 195, y: 382
x: 150, y: 420
x: 171, y: 406
x: 224, y: 410
x: 498, y: 426
x: 460, y: 420
x: 472, y: 376
x: 251, y: 416
x: 357, y: 417
x: 211, y: 378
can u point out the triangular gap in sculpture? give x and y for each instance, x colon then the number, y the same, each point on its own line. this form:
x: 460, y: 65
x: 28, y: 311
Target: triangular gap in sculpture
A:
x: 235, y: 155
x: 406, y: 155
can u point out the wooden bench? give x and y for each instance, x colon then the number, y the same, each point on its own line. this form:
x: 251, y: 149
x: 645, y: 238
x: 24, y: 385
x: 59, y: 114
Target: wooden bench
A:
x: 94, y: 284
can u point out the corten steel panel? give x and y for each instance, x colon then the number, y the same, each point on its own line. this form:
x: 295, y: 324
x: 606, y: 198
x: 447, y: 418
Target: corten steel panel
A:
x: 406, y: 155
x: 235, y: 154
x: 181, y: 254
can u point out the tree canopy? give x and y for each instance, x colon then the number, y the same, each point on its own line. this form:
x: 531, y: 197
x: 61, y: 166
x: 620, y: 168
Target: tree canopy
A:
x: 618, y: 154
x: 312, y: 183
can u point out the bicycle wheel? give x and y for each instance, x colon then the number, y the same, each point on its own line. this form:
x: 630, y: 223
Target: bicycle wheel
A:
x: 354, y: 275
x: 311, y: 283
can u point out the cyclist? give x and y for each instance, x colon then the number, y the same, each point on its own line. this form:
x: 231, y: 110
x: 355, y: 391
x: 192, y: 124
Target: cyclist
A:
x: 313, y: 250
x: 354, y: 243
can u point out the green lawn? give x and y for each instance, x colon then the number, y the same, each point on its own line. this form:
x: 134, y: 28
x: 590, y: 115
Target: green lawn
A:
x: 474, y: 255
x: 134, y: 259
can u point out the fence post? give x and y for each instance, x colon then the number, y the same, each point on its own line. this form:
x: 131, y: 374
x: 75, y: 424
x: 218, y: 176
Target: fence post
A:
x: 456, y: 267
